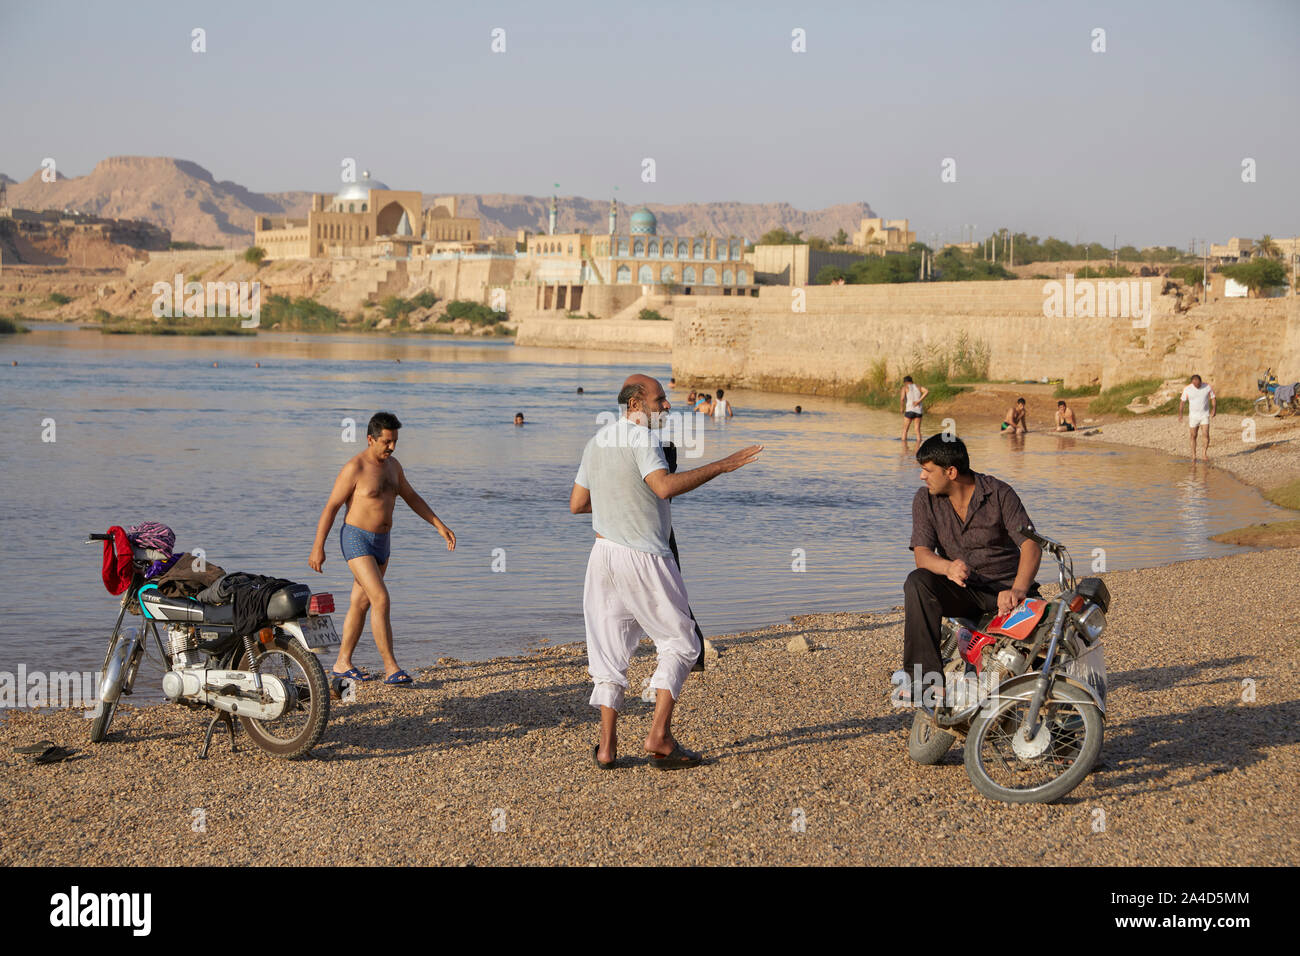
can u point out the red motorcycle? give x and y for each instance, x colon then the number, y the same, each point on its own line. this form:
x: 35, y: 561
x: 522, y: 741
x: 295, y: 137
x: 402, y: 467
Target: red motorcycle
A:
x: 1027, y: 691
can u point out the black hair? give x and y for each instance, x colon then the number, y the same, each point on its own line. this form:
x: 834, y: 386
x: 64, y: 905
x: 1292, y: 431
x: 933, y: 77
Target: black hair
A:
x: 1061, y: 402
x: 1194, y: 375
x: 907, y: 378
x: 946, y: 452
x: 381, y: 421
x: 630, y: 391
x: 519, y: 414
x: 719, y: 393
x: 1020, y: 401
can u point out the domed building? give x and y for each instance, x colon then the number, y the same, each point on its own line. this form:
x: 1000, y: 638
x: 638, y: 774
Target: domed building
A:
x: 365, y: 220
x: 644, y: 222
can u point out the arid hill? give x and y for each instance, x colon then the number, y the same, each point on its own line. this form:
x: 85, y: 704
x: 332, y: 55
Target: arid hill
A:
x: 184, y: 198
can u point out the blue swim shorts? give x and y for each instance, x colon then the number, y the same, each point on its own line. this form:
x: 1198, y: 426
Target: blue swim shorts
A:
x: 355, y: 542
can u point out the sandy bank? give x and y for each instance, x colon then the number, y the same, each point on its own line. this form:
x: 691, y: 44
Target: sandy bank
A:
x: 1190, y: 774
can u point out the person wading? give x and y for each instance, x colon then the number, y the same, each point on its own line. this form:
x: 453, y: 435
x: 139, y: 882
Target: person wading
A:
x: 369, y: 485
x: 633, y: 585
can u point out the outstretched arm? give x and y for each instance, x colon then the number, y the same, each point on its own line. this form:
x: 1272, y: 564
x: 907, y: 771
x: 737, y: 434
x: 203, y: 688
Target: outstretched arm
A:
x: 339, y: 495
x: 421, y: 508
x: 667, y: 485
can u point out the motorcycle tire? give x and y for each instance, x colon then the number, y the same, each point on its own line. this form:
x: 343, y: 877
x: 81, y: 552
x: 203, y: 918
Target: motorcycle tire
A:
x: 313, y: 698
x: 1079, y: 712
x: 925, y: 743
x: 99, y: 726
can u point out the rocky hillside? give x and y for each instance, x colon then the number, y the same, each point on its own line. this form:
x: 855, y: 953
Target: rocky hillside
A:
x: 184, y: 198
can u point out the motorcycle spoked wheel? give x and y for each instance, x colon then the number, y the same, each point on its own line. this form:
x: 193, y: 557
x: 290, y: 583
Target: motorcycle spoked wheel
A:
x: 927, y: 744
x: 295, y: 732
x: 1042, y: 771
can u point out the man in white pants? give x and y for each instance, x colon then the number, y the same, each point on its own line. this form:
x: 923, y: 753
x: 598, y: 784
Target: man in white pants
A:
x: 1201, y: 407
x: 633, y: 586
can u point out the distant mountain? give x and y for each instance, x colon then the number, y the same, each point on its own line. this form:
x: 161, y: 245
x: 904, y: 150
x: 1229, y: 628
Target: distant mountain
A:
x: 184, y: 198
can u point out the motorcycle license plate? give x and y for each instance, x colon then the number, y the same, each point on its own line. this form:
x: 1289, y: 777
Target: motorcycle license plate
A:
x: 318, y: 631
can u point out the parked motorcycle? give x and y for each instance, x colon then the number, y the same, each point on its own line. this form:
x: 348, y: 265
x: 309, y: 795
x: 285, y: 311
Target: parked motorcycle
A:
x: 1027, y: 691
x: 272, y: 680
x: 1274, y: 398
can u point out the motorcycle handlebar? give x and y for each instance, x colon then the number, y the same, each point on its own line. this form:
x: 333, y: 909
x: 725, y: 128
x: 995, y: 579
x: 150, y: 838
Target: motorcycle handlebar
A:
x: 1046, y: 543
x: 96, y: 537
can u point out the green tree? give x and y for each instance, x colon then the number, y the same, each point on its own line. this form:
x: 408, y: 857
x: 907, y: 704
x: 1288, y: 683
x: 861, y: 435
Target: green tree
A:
x: 1257, y: 275
x: 780, y: 237
x: 841, y: 238
x: 255, y: 255
x: 1266, y: 247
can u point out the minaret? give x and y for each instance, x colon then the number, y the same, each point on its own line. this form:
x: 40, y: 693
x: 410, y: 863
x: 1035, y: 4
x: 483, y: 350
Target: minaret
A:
x: 613, y: 216
x: 554, y: 213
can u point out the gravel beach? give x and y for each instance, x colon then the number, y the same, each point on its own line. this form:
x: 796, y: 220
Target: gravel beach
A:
x: 1200, y: 760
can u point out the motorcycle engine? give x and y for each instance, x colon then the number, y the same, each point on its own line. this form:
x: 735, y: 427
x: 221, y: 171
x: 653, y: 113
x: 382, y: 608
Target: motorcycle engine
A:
x: 183, y: 643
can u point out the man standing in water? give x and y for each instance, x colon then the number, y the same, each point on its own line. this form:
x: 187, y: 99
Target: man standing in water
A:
x: 911, y: 398
x: 1201, y: 407
x: 369, y: 485
x: 633, y: 585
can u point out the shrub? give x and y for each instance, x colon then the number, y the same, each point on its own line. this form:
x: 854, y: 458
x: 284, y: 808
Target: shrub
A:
x: 299, y: 315
x: 650, y: 315
x: 255, y: 255
x: 1116, y: 399
x: 1083, y: 390
x: 11, y: 326
x: 58, y: 298
x: 473, y: 312
x: 937, y: 371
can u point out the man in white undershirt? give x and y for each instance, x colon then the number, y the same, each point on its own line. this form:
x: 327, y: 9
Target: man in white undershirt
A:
x: 1201, y: 407
x: 722, y: 408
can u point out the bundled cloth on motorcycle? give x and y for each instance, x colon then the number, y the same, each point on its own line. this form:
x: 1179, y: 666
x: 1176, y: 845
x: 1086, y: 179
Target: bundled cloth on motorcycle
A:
x: 118, y: 569
x: 187, y: 577
x: 249, y: 593
x: 1284, y: 394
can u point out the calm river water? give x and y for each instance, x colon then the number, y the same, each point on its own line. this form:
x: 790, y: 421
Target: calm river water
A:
x: 239, y: 460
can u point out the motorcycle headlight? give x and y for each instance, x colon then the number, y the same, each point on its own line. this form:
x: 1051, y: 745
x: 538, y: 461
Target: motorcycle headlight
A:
x: 1092, y: 622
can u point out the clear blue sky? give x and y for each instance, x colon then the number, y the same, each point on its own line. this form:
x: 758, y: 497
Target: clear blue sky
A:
x: 1145, y: 140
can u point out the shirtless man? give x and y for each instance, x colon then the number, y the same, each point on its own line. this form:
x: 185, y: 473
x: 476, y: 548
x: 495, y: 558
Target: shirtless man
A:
x: 1065, y: 417
x: 369, y: 485
x: 1015, y: 422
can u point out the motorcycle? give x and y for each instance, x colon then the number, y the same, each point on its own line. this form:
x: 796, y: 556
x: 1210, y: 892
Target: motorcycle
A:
x: 272, y: 680
x: 1272, y: 396
x: 1026, y: 690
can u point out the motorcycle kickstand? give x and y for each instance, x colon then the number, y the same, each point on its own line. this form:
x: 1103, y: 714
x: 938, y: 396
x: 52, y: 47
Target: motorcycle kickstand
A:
x: 212, y: 725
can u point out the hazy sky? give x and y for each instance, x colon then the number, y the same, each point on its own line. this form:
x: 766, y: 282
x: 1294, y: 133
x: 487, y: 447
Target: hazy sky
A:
x: 1146, y: 139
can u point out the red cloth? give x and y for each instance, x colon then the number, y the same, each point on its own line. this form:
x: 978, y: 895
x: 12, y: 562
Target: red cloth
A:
x: 118, y: 567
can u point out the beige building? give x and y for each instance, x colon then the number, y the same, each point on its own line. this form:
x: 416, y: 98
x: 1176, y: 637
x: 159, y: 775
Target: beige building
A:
x: 883, y: 237
x: 366, y: 219
x: 562, y: 266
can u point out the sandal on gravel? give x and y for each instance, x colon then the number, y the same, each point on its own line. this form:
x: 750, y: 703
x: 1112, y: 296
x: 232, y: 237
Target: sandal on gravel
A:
x: 398, y: 679
x: 355, y: 673
x: 37, y: 748
x: 603, y: 764
x: 680, y: 757
x: 53, y: 754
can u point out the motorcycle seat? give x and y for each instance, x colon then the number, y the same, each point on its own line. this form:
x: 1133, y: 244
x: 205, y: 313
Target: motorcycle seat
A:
x: 164, y: 607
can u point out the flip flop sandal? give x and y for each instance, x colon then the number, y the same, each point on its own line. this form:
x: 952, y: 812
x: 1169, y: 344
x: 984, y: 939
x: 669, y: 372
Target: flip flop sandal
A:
x: 354, y: 673
x: 37, y: 748
x: 53, y: 755
x: 399, y: 679
x: 603, y: 764
x: 680, y: 757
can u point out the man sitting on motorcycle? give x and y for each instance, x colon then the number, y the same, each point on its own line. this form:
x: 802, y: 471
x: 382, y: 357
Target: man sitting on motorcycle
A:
x: 970, y: 555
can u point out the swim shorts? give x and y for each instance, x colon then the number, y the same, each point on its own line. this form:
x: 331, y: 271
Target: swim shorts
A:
x: 1068, y: 426
x: 912, y: 414
x: 1202, y: 419
x: 1005, y: 426
x: 356, y: 542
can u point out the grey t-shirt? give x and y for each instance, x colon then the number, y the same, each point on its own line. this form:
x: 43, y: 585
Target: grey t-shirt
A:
x: 623, y: 508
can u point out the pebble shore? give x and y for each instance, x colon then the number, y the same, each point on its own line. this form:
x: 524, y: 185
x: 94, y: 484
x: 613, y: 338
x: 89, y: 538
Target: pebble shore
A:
x: 490, y: 763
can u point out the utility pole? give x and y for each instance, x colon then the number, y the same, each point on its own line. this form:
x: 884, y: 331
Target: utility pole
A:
x: 1114, y: 250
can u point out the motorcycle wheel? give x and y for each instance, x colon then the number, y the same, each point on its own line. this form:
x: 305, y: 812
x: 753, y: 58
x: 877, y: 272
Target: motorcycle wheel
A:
x: 99, y: 726
x: 1075, y: 727
x: 925, y: 744
x: 302, y: 725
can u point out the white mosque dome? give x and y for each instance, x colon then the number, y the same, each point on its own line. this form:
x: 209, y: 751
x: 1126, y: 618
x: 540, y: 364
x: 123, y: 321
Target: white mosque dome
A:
x: 359, y: 190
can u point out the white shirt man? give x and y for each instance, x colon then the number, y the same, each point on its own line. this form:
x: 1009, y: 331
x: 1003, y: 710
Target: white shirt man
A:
x: 633, y: 586
x: 722, y: 408
x: 1201, y: 407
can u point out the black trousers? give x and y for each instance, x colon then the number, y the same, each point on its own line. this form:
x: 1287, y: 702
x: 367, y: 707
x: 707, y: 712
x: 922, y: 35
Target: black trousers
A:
x: 927, y: 598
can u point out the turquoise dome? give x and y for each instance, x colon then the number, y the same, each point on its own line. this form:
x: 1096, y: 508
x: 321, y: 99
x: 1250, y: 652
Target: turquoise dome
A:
x: 644, y: 222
